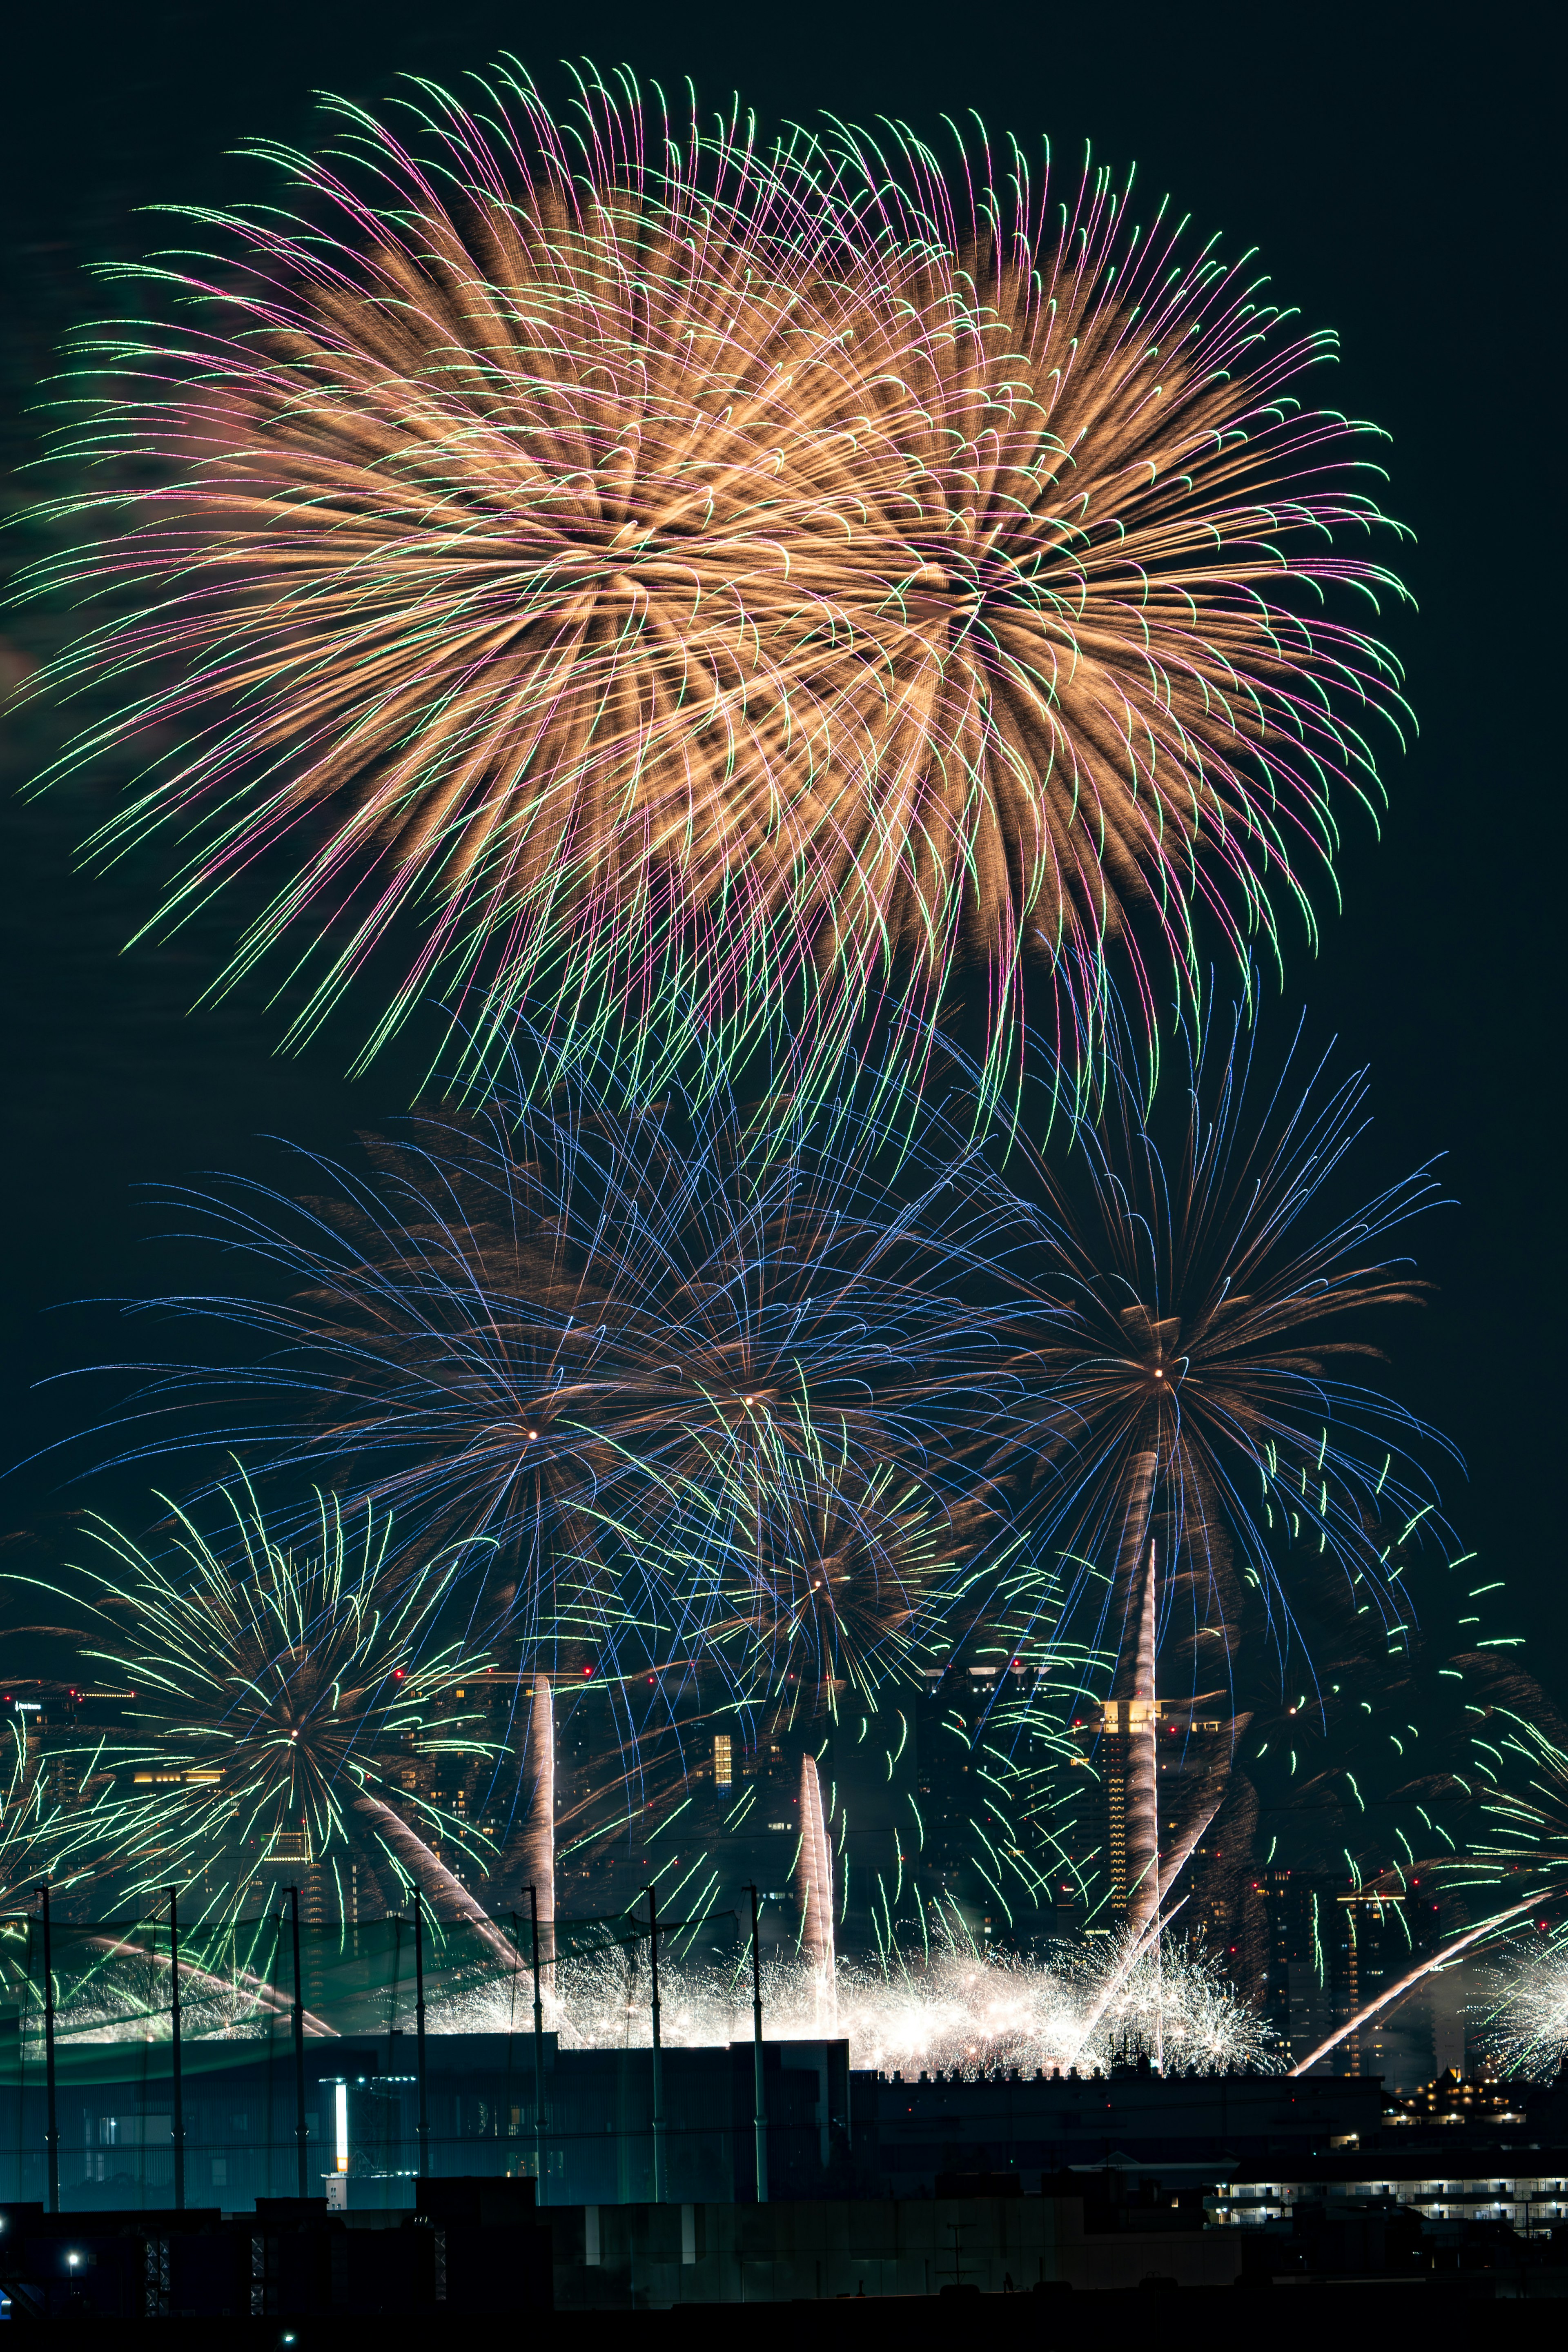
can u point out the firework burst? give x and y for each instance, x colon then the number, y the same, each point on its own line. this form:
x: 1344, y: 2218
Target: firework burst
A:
x: 852, y: 1573
x: 1190, y: 1307
x: 702, y: 1388
x: 1165, y: 1999
x: 950, y: 2011
x: 609, y: 562
x: 1527, y: 2031
x: 290, y: 1711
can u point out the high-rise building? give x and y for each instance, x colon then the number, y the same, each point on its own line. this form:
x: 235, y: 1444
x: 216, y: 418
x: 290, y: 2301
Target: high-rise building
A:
x: 1192, y: 1749
x: 1333, y: 1948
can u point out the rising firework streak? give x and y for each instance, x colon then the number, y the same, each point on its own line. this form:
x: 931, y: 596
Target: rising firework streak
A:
x: 528, y: 1864
x: 1413, y: 1977
x: 813, y: 1881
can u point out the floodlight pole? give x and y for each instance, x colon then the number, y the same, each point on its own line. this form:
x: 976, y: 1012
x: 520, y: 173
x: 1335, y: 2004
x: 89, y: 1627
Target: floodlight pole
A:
x: 300, y: 2125
x: 658, y: 2162
x: 52, y: 2123
x: 419, y: 2032
x: 760, y: 2101
x: 175, y: 2050
x: 539, y: 2147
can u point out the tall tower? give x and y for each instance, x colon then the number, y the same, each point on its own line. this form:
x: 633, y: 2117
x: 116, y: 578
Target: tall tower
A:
x: 813, y: 1888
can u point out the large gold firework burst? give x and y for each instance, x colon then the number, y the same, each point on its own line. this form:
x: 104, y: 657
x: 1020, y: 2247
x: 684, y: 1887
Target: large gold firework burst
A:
x: 675, y: 583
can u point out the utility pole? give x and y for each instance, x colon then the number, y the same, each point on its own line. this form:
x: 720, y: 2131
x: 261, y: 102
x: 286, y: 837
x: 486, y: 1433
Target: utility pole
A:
x: 299, y: 2125
x: 174, y: 2049
x: 539, y: 2147
x: 759, y: 2094
x: 51, y: 2124
x: 1154, y: 1788
x: 658, y: 2167
x: 419, y: 2032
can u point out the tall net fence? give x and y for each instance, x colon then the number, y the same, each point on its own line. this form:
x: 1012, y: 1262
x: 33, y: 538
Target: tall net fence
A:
x: 270, y: 2059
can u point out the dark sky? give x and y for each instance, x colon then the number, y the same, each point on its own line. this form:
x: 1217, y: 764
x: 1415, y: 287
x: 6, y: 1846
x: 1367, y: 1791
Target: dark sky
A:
x: 1392, y: 176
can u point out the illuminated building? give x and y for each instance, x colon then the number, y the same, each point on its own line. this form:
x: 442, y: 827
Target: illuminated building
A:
x: 1530, y: 2197
x: 1330, y: 1949
x: 1193, y: 1752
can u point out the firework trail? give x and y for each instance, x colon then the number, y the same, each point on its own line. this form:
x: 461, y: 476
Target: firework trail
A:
x: 1412, y: 1978
x: 1143, y: 1804
x: 1347, y: 1764
x: 610, y: 562
x: 289, y: 1703
x: 528, y: 1863
x: 704, y: 1389
x: 814, y: 1883
x: 57, y: 1814
x: 1009, y: 1830
x: 1518, y: 1787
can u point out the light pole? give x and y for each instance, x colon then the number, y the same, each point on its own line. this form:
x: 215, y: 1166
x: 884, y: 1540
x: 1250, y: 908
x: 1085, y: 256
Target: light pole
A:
x: 658, y: 2178
x: 419, y: 2034
x: 759, y: 2092
x: 539, y: 2147
x: 51, y: 2121
x: 174, y: 2051
x: 299, y: 2125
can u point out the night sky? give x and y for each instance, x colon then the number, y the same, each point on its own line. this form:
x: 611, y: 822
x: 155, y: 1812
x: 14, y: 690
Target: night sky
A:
x: 1392, y: 179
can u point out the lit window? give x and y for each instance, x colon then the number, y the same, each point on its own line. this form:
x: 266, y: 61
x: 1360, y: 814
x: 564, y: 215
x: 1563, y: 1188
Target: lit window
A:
x: 721, y: 1761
